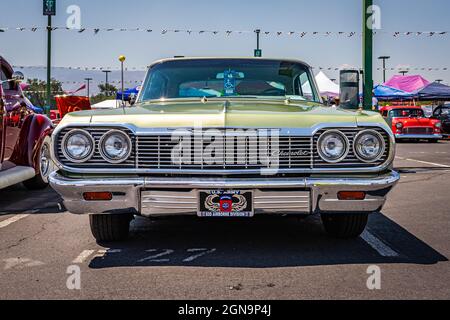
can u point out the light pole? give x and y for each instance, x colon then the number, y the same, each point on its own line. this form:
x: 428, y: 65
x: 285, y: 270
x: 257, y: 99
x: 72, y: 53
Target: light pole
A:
x: 88, y: 86
x: 367, y: 54
x: 107, y: 84
x: 49, y: 10
x: 258, y: 51
x: 122, y: 59
x: 384, y: 58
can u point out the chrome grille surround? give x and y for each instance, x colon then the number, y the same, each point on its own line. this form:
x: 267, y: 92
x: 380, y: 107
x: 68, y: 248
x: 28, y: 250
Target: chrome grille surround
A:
x: 150, y: 157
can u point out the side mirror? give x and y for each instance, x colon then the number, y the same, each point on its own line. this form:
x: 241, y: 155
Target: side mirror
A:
x: 18, y: 76
x: 349, y: 83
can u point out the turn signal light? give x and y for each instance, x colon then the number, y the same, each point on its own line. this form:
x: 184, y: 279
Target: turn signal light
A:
x: 351, y: 195
x: 97, y: 196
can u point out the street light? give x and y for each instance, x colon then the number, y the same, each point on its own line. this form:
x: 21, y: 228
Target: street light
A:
x: 384, y: 58
x: 258, y: 51
x: 88, y: 86
x: 122, y: 59
x: 403, y: 72
x: 439, y: 80
x: 107, y: 85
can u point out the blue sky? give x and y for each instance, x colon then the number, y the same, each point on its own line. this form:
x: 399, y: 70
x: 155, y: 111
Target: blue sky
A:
x: 87, y: 49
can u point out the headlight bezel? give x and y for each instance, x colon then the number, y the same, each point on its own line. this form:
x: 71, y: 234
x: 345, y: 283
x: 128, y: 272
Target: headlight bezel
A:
x: 344, y: 139
x: 103, y: 153
x: 66, y: 153
x: 380, y: 138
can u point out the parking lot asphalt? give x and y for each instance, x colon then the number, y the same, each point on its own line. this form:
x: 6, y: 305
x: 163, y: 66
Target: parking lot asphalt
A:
x: 261, y: 258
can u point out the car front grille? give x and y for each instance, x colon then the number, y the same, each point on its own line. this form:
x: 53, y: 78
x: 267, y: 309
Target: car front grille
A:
x: 153, y: 154
x: 156, y: 153
x: 418, y: 130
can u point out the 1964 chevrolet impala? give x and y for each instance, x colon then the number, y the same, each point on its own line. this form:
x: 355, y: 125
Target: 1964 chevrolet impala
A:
x: 224, y: 138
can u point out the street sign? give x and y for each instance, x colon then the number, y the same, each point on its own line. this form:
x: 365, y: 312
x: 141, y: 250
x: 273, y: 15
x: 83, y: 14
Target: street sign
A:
x: 49, y: 7
x: 258, y: 53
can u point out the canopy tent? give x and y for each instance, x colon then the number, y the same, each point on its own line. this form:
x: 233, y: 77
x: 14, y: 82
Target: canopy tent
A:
x: 383, y: 92
x: 107, y: 104
x: 434, y: 91
x: 127, y: 93
x: 407, y: 83
x: 326, y: 86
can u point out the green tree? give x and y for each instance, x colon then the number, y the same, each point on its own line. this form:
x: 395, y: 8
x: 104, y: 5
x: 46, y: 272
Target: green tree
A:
x: 107, y: 92
x: 37, y: 92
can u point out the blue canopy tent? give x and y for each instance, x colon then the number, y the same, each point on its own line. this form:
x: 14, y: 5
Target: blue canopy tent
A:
x: 382, y: 92
x: 434, y: 91
x: 127, y: 93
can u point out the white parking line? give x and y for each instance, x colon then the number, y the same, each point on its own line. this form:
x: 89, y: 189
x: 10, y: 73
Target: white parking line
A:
x: 425, y: 162
x: 11, y: 220
x: 378, y: 245
x: 83, y: 256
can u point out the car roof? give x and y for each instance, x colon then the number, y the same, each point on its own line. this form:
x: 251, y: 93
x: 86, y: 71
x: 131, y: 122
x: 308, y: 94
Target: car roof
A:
x: 228, y: 58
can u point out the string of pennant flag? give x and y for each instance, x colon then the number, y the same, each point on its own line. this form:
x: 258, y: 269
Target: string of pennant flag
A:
x: 146, y: 68
x: 301, y: 34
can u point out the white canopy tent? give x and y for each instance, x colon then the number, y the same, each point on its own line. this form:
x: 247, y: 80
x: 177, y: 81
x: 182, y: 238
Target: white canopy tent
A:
x: 107, y: 104
x: 326, y: 86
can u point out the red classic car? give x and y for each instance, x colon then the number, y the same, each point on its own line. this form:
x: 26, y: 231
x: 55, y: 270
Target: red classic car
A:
x: 24, y: 135
x: 410, y: 123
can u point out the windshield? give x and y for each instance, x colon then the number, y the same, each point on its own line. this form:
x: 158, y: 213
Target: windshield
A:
x: 215, y: 78
x: 405, y: 113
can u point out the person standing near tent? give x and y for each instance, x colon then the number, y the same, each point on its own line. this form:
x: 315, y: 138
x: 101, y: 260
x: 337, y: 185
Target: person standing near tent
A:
x: 375, y: 104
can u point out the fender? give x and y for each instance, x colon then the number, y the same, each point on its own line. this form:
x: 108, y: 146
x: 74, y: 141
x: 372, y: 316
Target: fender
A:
x: 32, y: 134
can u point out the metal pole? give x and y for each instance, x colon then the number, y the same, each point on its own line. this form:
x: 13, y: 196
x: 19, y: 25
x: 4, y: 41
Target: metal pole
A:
x: 367, y: 54
x: 88, y: 86
x: 49, y: 60
x: 384, y: 58
x: 123, y: 88
x: 257, y: 38
x: 107, y: 83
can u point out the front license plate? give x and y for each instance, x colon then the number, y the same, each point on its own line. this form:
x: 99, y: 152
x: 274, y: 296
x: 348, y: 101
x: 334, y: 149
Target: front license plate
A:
x: 225, y: 203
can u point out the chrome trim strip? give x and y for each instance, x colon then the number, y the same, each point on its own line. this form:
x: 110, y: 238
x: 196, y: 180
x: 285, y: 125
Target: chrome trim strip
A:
x: 418, y: 136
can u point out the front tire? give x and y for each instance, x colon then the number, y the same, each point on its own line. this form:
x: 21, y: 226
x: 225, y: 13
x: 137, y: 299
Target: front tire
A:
x: 46, y: 166
x: 110, y: 227
x: 345, y: 226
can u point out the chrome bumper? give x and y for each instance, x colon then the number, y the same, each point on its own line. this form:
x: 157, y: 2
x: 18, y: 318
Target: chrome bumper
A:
x: 418, y: 136
x: 150, y: 196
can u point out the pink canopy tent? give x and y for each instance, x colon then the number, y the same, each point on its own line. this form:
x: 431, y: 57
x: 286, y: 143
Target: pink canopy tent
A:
x: 407, y: 83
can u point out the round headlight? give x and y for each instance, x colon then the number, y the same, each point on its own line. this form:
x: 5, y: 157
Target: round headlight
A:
x: 78, y: 146
x: 399, y: 125
x: 369, y: 146
x: 115, y: 146
x: 438, y: 125
x: 333, y: 146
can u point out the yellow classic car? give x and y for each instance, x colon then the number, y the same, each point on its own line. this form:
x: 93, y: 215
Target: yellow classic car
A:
x: 226, y: 138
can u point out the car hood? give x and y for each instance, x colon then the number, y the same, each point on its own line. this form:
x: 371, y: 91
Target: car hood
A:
x: 225, y: 114
x: 416, y: 122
